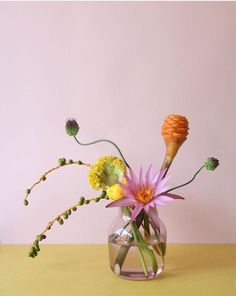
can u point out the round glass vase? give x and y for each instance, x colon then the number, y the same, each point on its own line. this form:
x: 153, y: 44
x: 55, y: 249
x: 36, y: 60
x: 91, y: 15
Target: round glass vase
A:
x: 137, y: 248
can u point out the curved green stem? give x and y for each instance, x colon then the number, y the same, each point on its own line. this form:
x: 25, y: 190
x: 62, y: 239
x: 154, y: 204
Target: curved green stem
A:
x: 104, y: 140
x: 176, y: 187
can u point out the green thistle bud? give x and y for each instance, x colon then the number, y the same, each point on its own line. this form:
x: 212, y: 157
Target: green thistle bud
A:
x: 27, y: 191
x: 82, y: 200
x: 211, y: 163
x: 62, y: 161
x: 26, y: 202
x: 70, y: 161
x: 74, y: 209
x: 72, y: 127
x: 43, y: 178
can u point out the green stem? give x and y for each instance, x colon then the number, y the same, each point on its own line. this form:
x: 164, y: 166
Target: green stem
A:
x: 176, y: 187
x: 104, y: 140
x: 136, y: 237
x: 146, y: 223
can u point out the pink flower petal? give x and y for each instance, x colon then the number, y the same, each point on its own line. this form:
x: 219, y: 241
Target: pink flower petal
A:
x: 155, y: 178
x: 122, y: 202
x: 164, y: 198
x: 136, y: 211
x: 158, y: 202
x: 134, y: 178
x: 163, y: 181
x: 127, y: 189
x: 148, y: 175
x: 154, y: 217
x: 174, y: 196
x: 141, y: 177
x: 161, y: 190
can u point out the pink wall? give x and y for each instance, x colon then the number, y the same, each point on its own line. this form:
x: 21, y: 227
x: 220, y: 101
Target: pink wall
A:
x: 119, y: 68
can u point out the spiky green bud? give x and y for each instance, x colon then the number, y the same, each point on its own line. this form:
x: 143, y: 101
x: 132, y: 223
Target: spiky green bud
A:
x: 211, y: 163
x: 26, y: 202
x: 72, y: 127
x: 62, y: 161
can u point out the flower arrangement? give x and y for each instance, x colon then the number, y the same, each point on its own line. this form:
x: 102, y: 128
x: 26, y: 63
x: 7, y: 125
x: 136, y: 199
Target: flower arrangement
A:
x: 137, y: 195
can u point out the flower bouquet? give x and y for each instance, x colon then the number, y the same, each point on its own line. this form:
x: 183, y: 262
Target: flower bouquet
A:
x: 137, y: 237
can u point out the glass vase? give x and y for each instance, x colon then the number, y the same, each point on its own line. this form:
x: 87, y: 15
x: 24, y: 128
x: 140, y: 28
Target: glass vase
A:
x: 137, y: 248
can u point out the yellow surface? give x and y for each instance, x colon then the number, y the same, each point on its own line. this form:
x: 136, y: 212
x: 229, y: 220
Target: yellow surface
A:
x: 83, y: 270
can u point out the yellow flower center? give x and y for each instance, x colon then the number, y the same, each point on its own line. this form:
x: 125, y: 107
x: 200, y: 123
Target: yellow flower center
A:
x: 144, y: 195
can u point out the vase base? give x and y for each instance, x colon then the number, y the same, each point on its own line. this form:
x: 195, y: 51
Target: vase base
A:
x: 137, y: 275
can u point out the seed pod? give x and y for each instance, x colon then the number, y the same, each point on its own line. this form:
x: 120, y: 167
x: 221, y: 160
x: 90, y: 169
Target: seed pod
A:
x: 87, y: 201
x: 60, y: 221
x: 62, y: 161
x: 30, y: 254
x: 28, y: 191
x: 26, y: 202
x: 74, y: 209
x: 65, y: 215
x: 33, y: 251
x: 43, y: 178
x: 82, y: 200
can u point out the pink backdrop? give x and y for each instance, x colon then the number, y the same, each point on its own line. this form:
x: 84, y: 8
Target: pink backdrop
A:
x: 119, y: 68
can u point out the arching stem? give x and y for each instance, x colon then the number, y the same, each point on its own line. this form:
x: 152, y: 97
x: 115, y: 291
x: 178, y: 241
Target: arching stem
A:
x: 176, y: 187
x: 104, y: 140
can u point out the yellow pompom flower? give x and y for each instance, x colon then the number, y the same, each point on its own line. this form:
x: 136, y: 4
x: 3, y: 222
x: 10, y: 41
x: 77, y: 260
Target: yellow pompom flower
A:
x: 107, y: 171
x: 115, y: 192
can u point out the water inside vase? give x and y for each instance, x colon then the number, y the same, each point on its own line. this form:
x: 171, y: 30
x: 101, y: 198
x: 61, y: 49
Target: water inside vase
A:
x: 125, y: 259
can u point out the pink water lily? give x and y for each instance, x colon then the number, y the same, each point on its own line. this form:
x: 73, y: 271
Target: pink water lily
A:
x: 145, y: 192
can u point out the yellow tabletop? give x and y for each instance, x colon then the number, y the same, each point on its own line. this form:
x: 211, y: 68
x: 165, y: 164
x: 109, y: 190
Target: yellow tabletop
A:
x: 84, y: 270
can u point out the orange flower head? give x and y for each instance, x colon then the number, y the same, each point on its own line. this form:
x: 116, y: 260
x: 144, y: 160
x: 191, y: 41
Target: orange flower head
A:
x: 175, y: 129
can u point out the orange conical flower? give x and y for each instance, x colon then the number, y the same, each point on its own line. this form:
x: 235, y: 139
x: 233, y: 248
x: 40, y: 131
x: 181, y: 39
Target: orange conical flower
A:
x: 174, y: 131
